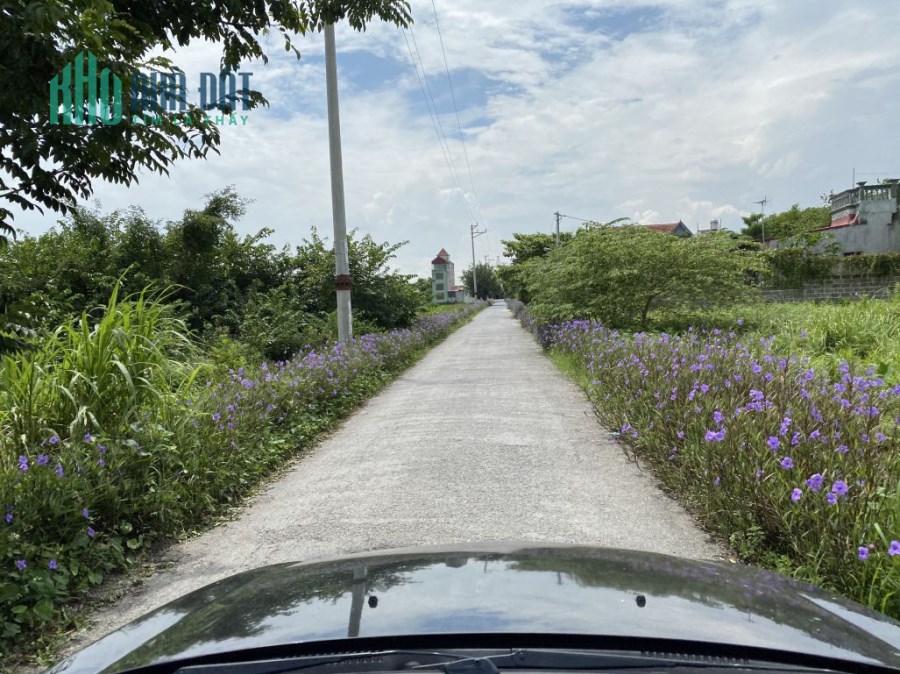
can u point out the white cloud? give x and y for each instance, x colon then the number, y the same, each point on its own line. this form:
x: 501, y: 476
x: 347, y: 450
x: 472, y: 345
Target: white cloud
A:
x: 704, y: 109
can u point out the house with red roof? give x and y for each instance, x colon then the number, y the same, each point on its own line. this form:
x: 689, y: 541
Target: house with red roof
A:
x: 443, y: 280
x: 866, y: 219
x: 673, y: 228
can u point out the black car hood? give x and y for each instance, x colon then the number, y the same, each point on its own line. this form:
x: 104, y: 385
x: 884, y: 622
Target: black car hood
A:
x: 499, y: 588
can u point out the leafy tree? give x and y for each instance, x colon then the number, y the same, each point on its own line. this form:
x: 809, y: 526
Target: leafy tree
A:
x: 620, y: 274
x: 524, y: 247
x: 381, y: 295
x: 489, y: 284
x: 787, y: 224
x: 523, y: 250
x: 48, y: 165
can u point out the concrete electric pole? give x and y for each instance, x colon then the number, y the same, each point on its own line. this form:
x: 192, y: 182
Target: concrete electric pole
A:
x: 342, y: 280
x: 475, y: 233
x: 558, y: 216
x: 762, y: 221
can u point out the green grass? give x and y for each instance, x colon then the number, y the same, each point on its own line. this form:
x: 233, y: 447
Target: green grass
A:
x: 865, y: 332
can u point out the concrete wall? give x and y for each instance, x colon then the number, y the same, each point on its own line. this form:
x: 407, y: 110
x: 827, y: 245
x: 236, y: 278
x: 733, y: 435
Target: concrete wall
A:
x: 839, y: 286
x: 879, y: 234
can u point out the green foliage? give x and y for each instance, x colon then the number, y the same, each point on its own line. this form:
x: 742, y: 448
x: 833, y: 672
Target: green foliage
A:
x: 489, y: 285
x: 45, y: 165
x: 525, y: 250
x: 787, y: 224
x: 223, y: 283
x: 115, y: 432
x: 802, y: 258
x: 620, y: 274
x: 796, y: 466
x: 381, y: 295
x: 879, y: 265
x: 864, y: 332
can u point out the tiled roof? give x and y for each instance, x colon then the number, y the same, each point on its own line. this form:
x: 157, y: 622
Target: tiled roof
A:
x: 667, y: 228
x: 444, y: 252
x: 846, y: 221
x: 439, y: 260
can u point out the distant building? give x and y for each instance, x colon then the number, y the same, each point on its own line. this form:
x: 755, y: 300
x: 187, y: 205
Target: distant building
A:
x: 866, y: 218
x: 443, y: 281
x: 673, y: 228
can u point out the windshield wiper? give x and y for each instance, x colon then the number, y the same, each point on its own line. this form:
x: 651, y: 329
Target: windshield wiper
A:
x: 459, y: 663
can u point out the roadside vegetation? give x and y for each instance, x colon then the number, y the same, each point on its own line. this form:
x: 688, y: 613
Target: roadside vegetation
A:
x: 777, y: 425
x: 139, y: 419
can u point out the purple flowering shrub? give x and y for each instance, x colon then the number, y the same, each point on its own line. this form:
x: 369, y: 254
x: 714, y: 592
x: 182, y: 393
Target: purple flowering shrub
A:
x: 109, y: 443
x: 800, y: 470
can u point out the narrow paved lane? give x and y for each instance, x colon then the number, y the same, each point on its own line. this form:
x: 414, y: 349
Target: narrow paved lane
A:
x: 484, y: 439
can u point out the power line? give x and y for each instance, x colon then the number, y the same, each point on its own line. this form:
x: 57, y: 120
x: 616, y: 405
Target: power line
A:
x: 456, y: 110
x: 435, y: 117
x: 434, y: 121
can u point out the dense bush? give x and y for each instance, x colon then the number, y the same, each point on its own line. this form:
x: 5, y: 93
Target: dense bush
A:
x: 117, y: 432
x: 800, y: 470
x: 879, y: 265
x: 620, y: 275
x: 222, y: 283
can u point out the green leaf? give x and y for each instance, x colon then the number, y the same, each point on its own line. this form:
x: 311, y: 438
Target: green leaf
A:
x: 43, y: 610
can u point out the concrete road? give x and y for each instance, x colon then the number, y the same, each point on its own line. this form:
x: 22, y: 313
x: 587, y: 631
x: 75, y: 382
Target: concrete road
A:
x: 482, y: 440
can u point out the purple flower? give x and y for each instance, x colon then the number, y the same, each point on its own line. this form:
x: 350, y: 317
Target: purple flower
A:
x: 246, y: 383
x: 21, y: 565
x: 54, y: 439
x: 43, y: 459
x: 717, y: 481
x: 862, y: 553
x: 740, y: 321
x: 815, y: 482
x: 796, y: 494
x: 894, y: 550
x: 718, y: 418
x: 216, y: 416
x: 85, y: 513
x: 88, y: 437
x: 774, y: 443
x: 787, y: 463
x: 704, y: 388
x: 59, y: 470
x: 713, y: 436
x: 842, y: 449
x: 839, y: 488
x: 9, y: 518
x: 815, y: 434
x: 90, y: 532
x: 101, y: 463
x: 831, y: 497
x: 880, y: 437
x: 102, y: 448
x: 23, y: 463
x: 52, y: 565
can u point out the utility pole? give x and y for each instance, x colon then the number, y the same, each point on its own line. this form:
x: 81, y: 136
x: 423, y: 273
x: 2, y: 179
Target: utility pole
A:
x: 762, y: 210
x: 475, y: 233
x: 342, y: 280
x: 558, y: 217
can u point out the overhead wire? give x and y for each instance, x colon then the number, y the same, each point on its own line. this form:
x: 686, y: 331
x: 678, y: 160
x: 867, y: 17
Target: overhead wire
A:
x: 430, y: 104
x: 456, y: 111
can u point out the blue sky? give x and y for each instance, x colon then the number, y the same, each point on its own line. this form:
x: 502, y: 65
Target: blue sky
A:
x: 657, y: 110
